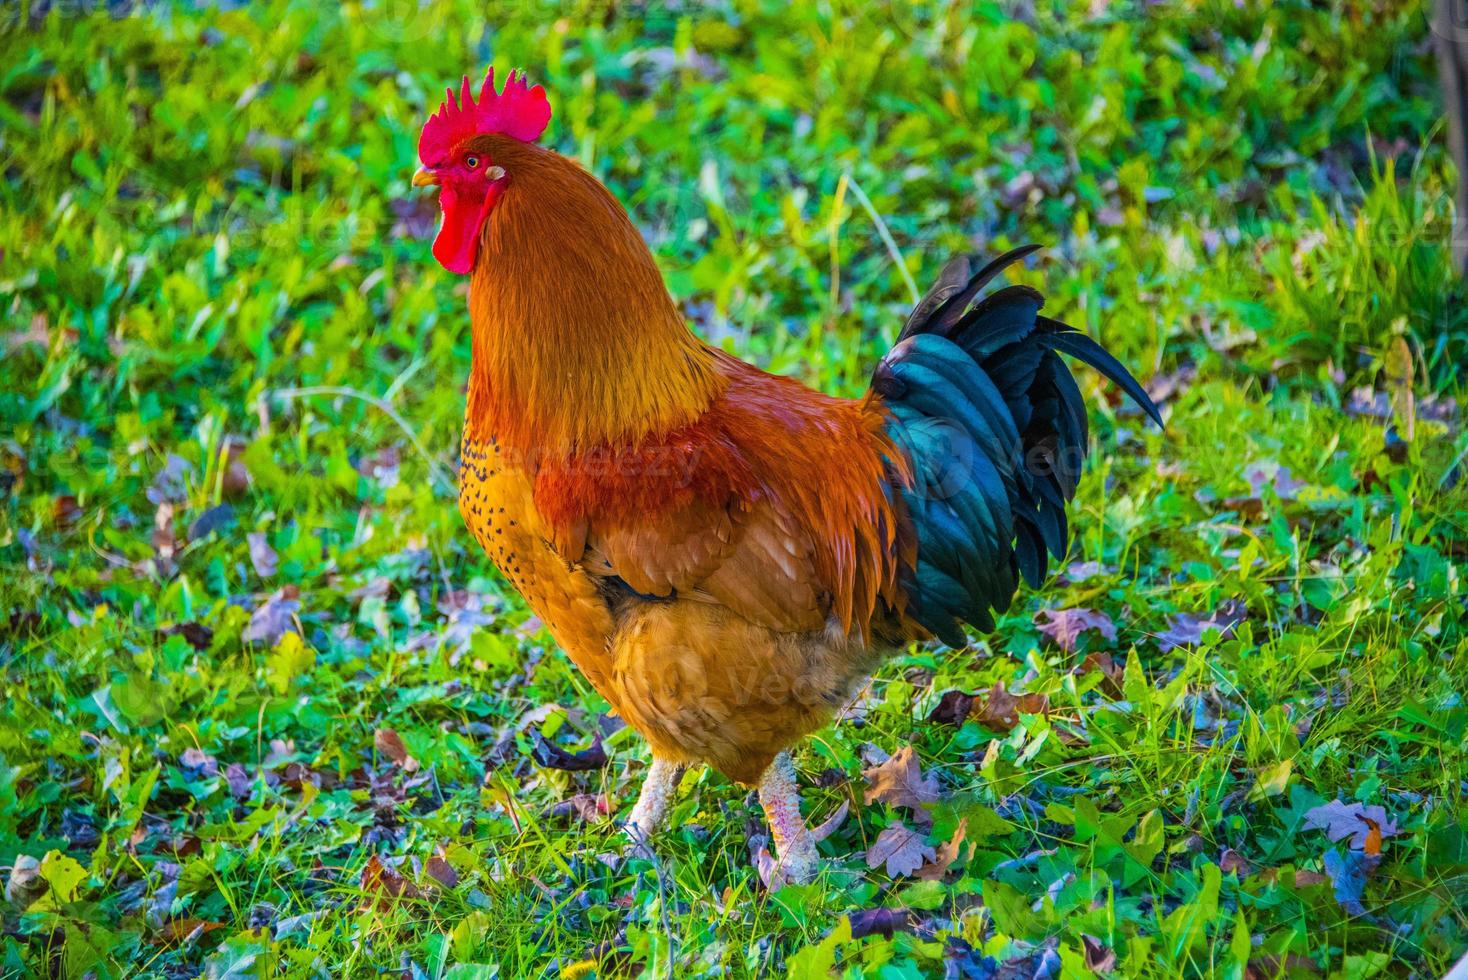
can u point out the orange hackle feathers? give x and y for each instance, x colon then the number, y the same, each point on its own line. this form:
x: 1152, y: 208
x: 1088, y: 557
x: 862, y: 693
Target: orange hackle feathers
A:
x: 577, y: 344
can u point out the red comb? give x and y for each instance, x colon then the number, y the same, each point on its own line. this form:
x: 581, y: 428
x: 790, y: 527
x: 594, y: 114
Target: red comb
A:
x: 519, y: 111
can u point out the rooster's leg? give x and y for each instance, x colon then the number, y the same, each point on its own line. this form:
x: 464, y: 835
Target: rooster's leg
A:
x: 658, y: 787
x: 795, y: 845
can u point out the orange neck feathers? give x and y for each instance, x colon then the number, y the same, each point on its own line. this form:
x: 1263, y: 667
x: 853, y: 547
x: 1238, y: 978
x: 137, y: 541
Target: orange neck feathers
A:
x: 576, y: 342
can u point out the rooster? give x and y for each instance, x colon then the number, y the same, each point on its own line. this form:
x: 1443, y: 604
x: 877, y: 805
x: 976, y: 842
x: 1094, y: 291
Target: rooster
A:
x: 725, y: 553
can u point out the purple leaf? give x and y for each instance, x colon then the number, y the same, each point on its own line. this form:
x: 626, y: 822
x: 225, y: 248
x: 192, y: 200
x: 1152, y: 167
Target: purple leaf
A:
x: 1065, y: 626
x: 262, y: 556
x: 884, y: 922
x: 171, y: 485
x: 1266, y: 475
x: 274, y: 618
x: 197, y: 764
x: 902, y: 849
x: 1341, y: 820
x: 1187, y: 629
x: 238, y: 779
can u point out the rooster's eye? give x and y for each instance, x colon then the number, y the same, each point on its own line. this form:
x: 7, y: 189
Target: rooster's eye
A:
x: 472, y: 162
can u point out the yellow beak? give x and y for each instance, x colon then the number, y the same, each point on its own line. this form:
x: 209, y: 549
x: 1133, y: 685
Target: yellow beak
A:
x: 423, y: 177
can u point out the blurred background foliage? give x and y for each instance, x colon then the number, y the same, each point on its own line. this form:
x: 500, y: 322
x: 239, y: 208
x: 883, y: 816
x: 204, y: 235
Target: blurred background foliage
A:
x: 230, y: 396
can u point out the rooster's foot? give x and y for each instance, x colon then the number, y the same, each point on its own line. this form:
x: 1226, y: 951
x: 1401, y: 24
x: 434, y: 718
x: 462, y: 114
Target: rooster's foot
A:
x: 796, y: 858
x: 658, y: 788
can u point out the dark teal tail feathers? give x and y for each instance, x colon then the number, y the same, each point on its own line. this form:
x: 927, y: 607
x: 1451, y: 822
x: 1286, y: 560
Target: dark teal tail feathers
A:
x: 995, y: 429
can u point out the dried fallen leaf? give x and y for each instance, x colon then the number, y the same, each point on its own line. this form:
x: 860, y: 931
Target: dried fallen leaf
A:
x: 1166, y: 386
x: 1081, y: 571
x: 274, y: 618
x: 901, y: 849
x: 900, y: 782
x: 25, y: 883
x: 1348, y: 874
x: 171, y: 485
x: 947, y: 853
x: 1266, y: 475
x: 591, y: 809
x: 881, y: 922
x: 1001, y: 710
x: 952, y: 708
x: 961, y: 960
x: 390, y: 743
x: 262, y: 556
x: 237, y: 477
x: 197, y: 764
x: 385, y: 883
x: 214, y: 519
x: 1249, y: 508
x: 1065, y: 626
x: 552, y: 756
x: 1232, y: 861
x: 1372, y: 847
x: 165, y: 890
x: 441, y: 871
x: 381, y: 466
x: 1342, y: 820
x: 165, y: 541
x: 1099, y: 958
x: 238, y: 779
x: 184, y: 930
x: 1188, y: 629
x: 65, y: 511
x: 1106, y: 665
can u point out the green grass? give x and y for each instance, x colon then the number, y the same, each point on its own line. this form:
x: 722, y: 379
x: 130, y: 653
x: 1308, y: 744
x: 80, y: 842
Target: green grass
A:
x: 209, y: 252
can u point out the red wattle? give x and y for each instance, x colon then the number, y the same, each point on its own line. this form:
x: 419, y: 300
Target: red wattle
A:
x: 457, y: 243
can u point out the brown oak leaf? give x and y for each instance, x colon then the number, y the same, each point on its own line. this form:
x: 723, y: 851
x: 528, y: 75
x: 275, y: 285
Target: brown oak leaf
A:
x: 900, y: 781
x: 386, y: 884
x: 390, y: 744
x: 1001, y: 710
x: 1108, y: 668
x: 947, y: 853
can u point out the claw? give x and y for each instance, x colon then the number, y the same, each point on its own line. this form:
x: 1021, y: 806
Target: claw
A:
x: 831, y: 824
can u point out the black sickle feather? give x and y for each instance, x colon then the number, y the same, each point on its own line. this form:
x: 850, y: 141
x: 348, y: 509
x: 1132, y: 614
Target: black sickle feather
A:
x: 954, y: 302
